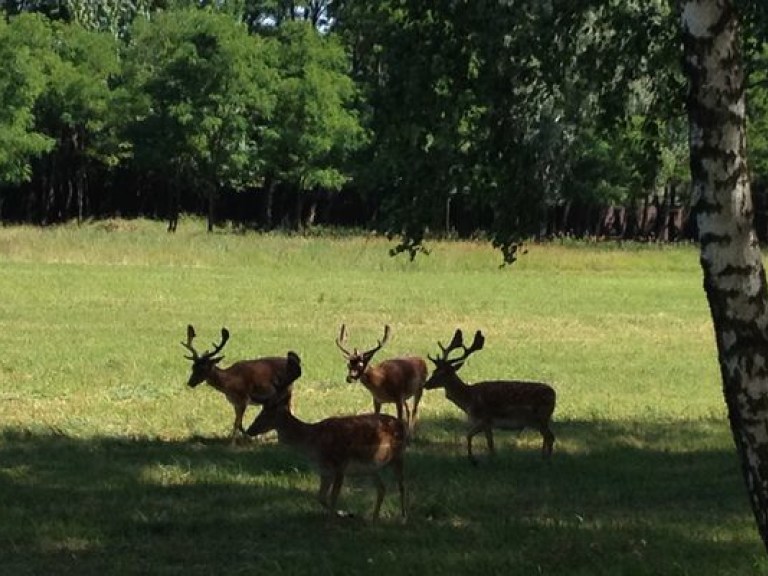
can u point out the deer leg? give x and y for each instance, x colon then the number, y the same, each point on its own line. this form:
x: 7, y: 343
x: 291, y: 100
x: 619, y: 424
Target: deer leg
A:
x: 415, y: 411
x: 376, y: 406
x: 397, y: 467
x: 489, y: 439
x: 237, y: 428
x: 381, y: 490
x: 475, y: 429
x: 326, y: 480
x: 549, y: 440
x: 404, y: 409
x: 338, y: 480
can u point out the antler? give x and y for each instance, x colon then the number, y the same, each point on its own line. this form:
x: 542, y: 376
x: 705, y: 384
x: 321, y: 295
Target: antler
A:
x: 216, y: 347
x: 368, y: 353
x: 188, y: 343
x: 372, y: 351
x: 342, y: 338
x: 458, y: 342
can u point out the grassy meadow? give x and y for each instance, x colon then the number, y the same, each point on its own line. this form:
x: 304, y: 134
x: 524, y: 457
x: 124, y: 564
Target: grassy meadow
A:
x: 109, y: 464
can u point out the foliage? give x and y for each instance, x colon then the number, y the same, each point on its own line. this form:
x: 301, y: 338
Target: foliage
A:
x: 22, y: 80
x: 77, y: 110
x: 266, y: 15
x: 757, y: 111
x: 318, y: 128
x: 113, y: 16
x: 514, y: 107
x: 475, y: 118
x: 201, y: 93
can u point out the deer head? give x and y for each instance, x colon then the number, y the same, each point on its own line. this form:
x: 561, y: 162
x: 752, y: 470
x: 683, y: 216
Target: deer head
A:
x: 272, y: 412
x: 446, y: 366
x: 202, y: 364
x: 357, y: 362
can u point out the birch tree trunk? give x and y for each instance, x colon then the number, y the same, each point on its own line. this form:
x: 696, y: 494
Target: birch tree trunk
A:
x: 734, y: 278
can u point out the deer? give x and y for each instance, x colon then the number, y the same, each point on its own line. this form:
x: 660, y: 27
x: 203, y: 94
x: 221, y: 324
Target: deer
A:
x: 363, y: 444
x: 243, y: 383
x: 391, y: 381
x: 505, y: 404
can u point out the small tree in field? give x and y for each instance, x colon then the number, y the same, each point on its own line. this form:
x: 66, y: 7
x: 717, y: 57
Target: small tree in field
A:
x: 734, y: 277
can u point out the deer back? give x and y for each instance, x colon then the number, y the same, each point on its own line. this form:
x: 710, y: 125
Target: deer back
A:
x: 396, y: 377
x: 358, y: 442
x: 261, y: 378
x: 517, y: 403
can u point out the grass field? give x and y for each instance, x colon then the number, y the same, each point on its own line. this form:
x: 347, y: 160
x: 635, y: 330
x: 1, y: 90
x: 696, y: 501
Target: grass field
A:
x: 110, y: 465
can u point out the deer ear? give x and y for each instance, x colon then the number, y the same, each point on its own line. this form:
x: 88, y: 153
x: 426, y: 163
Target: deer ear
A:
x: 217, y: 360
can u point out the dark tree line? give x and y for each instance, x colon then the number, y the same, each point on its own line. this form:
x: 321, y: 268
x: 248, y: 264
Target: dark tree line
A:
x: 506, y: 119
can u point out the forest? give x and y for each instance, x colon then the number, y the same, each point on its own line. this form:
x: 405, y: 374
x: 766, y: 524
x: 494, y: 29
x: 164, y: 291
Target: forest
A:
x: 502, y: 120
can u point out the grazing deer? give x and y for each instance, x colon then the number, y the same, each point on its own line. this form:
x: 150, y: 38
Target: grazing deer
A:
x: 245, y: 382
x: 361, y: 444
x: 506, y: 404
x: 392, y: 381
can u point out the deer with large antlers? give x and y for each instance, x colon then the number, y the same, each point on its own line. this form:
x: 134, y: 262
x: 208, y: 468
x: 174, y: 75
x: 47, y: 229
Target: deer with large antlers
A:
x: 505, y: 404
x: 245, y: 382
x: 391, y: 381
x: 361, y: 444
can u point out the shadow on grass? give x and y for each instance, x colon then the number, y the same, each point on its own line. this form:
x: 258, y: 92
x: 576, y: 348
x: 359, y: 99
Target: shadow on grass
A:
x: 617, y: 498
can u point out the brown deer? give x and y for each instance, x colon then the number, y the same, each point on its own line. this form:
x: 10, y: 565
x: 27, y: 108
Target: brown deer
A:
x: 392, y: 381
x: 361, y: 444
x: 506, y: 404
x: 245, y: 382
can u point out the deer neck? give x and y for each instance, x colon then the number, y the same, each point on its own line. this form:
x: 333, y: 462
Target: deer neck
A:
x: 457, y: 391
x: 373, y: 377
x: 219, y: 378
x: 291, y: 430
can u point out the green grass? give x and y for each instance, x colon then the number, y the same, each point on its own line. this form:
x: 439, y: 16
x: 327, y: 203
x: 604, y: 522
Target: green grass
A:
x: 110, y: 465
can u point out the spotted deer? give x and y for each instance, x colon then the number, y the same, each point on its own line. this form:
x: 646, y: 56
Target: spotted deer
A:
x: 505, y: 404
x: 391, y: 381
x: 245, y: 382
x: 363, y: 444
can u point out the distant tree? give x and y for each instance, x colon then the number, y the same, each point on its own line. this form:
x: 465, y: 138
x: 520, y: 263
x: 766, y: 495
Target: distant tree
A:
x: 493, y: 104
x: 266, y: 15
x: 113, y: 16
x: 53, y: 9
x: 757, y: 115
x: 201, y: 92
x: 315, y: 125
x: 22, y: 80
x: 76, y: 110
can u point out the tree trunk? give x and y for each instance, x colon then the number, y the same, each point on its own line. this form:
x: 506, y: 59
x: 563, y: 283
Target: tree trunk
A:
x: 644, y: 219
x: 211, y: 210
x: 174, y: 205
x: 662, y: 214
x: 269, y: 200
x: 734, y: 278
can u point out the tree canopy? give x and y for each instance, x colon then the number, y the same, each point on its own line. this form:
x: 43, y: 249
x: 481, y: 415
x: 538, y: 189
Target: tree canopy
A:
x: 506, y: 120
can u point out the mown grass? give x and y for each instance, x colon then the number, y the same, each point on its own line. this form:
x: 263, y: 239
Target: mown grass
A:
x: 109, y: 464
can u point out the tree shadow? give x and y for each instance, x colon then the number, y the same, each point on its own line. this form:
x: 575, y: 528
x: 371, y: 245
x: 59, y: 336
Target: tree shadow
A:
x: 616, y: 498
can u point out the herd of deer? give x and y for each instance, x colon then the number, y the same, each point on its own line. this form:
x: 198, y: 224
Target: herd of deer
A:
x: 369, y: 442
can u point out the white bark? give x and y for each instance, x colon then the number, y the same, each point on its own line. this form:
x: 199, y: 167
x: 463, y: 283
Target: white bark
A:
x: 734, y: 278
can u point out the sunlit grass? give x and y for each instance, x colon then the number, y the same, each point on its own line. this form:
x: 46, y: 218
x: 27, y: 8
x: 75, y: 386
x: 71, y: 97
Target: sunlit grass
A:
x: 109, y: 464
